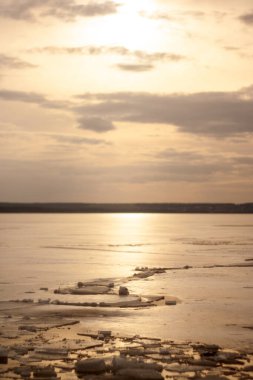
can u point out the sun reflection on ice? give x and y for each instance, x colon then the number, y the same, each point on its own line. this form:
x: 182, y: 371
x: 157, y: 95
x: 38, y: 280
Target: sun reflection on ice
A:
x: 131, y: 234
x: 130, y: 228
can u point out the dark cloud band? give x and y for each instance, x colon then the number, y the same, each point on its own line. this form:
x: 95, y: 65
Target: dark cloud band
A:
x: 67, y: 10
x: 217, y: 114
x: 208, y: 113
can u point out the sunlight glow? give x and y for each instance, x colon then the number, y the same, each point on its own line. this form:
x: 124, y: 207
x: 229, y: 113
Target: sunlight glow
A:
x: 131, y: 216
x: 127, y: 28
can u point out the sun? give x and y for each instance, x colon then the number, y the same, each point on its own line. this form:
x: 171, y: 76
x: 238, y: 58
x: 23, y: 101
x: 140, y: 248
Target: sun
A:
x: 129, y: 28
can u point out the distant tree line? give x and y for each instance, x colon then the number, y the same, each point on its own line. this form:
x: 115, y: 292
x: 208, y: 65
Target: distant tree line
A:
x: 224, y: 208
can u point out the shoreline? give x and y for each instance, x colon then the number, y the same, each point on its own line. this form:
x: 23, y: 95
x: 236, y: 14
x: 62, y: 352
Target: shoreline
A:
x: 58, y: 340
x: 53, y: 344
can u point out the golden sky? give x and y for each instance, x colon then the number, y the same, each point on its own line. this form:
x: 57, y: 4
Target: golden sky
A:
x: 126, y: 101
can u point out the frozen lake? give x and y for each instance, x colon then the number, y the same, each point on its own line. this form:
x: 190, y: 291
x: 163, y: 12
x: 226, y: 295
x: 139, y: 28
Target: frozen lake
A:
x: 52, y: 250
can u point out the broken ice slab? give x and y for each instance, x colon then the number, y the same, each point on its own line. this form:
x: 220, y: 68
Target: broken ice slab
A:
x: 44, y: 372
x: 170, y: 302
x: 49, y: 353
x: 86, y: 288
x: 43, y: 325
x: 105, y: 333
x: 3, y: 355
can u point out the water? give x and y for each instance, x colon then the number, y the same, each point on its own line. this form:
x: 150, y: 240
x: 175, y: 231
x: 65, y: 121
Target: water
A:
x: 52, y: 250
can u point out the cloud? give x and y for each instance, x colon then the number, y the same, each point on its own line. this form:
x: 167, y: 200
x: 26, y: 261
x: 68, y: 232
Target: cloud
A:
x: 110, y: 50
x: 134, y: 67
x: 242, y: 52
x: 139, y: 60
x: 96, y: 124
x: 153, y: 172
x: 247, y: 18
x: 243, y: 161
x: 216, y: 114
x: 8, y: 62
x: 22, y: 96
x: 62, y: 139
x: 77, y: 180
x: 158, y: 56
x: 80, y: 50
x: 33, y: 98
x: 181, y: 166
x: 76, y: 140
x: 172, y: 154
x: 232, y: 48
x: 177, y: 15
x: 67, y: 10
x: 173, y: 15
x: 184, y: 172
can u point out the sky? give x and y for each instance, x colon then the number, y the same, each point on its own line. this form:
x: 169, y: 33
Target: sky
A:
x: 126, y: 101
